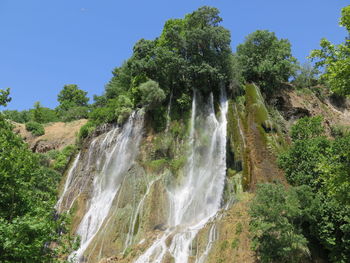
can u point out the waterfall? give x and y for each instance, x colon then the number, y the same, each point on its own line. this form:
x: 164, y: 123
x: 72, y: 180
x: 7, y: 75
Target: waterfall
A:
x: 135, y: 215
x: 67, y: 183
x: 197, y: 198
x: 117, y: 153
x: 212, y: 238
x: 168, y: 112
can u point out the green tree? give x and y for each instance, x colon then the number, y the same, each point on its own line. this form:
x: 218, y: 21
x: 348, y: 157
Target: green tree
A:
x: 27, y: 198
x: 266, y: 60
x: 335, y: 60
x: 322, y: 164
x: 4, y: 97
x: 335, y: 169
x: 73, y: 103
x: 150, y: 93
x: 276, y: 218
x: 307, y: 128
x: 306, y: 76
x: 191, y: 53
x: 71, y: 96
x: 38, y: 115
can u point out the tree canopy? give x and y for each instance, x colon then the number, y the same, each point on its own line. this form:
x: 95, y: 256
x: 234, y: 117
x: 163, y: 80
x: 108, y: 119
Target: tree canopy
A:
x: 73, y: 103
x: 191, y: 53
x: 335, y: 59
x: 4, y: 97
x: 322, y: 164
x: 27, y: 198
x: 266, y: 60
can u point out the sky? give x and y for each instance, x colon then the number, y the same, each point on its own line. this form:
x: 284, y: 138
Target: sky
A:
x: 47, y: 44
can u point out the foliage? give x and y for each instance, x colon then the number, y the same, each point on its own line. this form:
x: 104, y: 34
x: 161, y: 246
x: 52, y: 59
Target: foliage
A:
x: 306, y: 76
x: 116, y: 110
x: 339, y: 130
x: 4, y: 97
x: 277, y: 215
x: 27, y: 198
x: 150, y: 93
x: 322, y: 164
x: 266, y: 60
x: 74, y: 113
x: 335, y: 169
x: 191, y: 53
x: 38, y: 113
x: 17, y: 116
x: 73, y: 103
x: 307, y: 128
x: 86, y: 130
x: 63, y: 158
x: 335, y: 60
x: 35, y: 128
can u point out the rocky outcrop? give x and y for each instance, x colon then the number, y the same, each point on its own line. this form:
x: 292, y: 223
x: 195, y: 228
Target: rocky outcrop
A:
x: 295, y: 104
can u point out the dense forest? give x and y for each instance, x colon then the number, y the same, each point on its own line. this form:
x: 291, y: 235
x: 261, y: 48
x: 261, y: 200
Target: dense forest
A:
x: 302, y: 218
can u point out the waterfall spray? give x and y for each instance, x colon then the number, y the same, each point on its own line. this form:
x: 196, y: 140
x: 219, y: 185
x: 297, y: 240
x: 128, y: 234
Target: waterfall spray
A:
x: 196, y: 200
x: 106, y: 183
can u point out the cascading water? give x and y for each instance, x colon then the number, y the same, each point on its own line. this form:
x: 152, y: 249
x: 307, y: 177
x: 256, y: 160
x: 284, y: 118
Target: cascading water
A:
x: 196, y: 199
x: 168, y: 112
x: 112, y: 166
x: 67, y: 183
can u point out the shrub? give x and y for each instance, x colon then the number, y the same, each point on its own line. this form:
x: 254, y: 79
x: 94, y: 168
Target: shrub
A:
x: 63, y: 157
x: 277, y: 215
x: 151, y: 94
x: 75, y: 113
x: 35, y: 128
x: 307, y: 128
x: 86, y: 130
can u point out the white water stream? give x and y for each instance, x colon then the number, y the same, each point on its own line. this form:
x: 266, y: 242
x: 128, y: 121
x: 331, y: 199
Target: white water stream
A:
x: 196, y: 199
x: 123, y: 148
x: 68, y: 182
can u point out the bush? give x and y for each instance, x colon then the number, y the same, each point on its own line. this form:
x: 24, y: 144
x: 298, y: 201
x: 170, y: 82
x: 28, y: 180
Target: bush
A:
x: 28, y: 195
x: 63, y: 157
x: 151, y: 94
x: 116, y: 110
x: 306, y: 76
x: 75, y: 113
x: 18, y: 116
x: 86, y: 130
x: 324, y: 166
x: 277, y: 215
x: 307, y: 128
x: 35, y: 128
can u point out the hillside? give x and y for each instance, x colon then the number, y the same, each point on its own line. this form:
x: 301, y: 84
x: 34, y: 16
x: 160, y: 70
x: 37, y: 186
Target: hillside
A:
x: 139, y: 217
x: 57, y: 135
x: 193, y: 153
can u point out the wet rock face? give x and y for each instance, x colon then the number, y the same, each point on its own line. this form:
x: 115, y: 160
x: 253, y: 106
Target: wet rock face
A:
x: 161, y: 227
x: 139, y: 203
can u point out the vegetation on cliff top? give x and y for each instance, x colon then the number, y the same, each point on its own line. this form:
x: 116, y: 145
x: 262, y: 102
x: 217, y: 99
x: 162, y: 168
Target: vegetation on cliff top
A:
x: 335, y: 60
x: 191, y: 53
x: 194, y: 53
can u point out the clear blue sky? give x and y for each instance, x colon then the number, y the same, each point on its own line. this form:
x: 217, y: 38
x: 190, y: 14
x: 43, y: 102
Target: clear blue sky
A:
x: 48, y: 43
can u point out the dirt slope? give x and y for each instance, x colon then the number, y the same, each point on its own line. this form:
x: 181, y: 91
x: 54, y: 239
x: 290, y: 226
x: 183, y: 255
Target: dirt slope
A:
x: 57, y: 135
